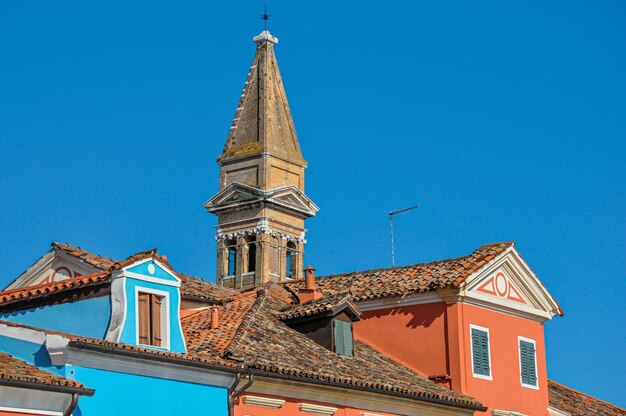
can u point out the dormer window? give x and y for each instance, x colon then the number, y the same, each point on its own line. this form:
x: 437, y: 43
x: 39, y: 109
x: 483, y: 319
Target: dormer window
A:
x: 151, y: 319
x: 342, y: 337
x: 326, y: 320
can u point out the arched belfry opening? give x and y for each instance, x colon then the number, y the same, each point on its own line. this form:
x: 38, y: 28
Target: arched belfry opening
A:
x: 261, y: 205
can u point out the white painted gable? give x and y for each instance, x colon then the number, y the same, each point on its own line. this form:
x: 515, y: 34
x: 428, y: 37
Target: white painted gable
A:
x: 53, y: 266
x: 507, y: 284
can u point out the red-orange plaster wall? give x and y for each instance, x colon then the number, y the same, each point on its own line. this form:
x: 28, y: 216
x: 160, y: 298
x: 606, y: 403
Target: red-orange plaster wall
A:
x: 434, y: 339
x: 291, y: 408
x: 505, y: 391
x: 413, y: 335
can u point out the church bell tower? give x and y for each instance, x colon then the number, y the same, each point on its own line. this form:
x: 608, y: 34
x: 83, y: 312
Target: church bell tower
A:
x: 261, y: 205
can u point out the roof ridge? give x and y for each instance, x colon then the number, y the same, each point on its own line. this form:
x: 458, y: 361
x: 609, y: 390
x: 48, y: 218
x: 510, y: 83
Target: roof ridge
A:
x: 427, y: 263
x: 245, y: 323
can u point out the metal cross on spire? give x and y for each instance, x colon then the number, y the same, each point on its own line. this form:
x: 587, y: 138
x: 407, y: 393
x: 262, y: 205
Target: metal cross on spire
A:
x: 265, y: 16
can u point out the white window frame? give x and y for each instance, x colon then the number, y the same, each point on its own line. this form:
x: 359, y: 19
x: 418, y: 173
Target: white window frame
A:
x: 519, y: 353
x: 480, y: 376
x: 165, y: 316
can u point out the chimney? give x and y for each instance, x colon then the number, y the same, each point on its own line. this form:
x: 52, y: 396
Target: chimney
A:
x: 215, y: 318
x: 309, y: 292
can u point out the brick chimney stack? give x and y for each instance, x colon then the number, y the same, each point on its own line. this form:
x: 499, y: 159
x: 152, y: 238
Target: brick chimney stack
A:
x: 215, y: 318
x: 309, y: 292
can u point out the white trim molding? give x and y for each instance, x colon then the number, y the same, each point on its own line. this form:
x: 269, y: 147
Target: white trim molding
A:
x: 556, y: 412
x: 316, y: 409
x: 393, y: 302
x: 481, y: 376
x: 519, y: 360
x: 266, y: 402
x: 164, y: 318
x: 498, y: 412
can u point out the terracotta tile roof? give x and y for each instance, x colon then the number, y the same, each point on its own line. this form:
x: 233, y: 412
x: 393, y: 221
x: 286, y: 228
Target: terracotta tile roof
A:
x: 95, y: 260
x: 14, y: 370
x: 31, y: 292
x: 191, y: 287
x: 249, y: 332
x: 201, y: 339
x: 576, y: 403
x: 77, y: 340
x: 195, y: 288
x: 405, y: 280
x: 325, y: 304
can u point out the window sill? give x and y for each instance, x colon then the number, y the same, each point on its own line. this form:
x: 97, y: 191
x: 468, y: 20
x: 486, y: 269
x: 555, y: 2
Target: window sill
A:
x: 482, y: 377
x: 530, y: 386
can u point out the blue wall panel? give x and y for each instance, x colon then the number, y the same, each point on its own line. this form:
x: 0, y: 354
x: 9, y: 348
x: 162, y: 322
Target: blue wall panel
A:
x: 129, y: 331
x: 88, y: 318
x: 128, y: 394
x: 158, y: 273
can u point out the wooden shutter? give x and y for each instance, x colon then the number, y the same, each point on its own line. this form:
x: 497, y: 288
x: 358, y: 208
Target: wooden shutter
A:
x: 143, y: 315
x: 347, y: 338
x: 155, y: 318
x: 480, y: 352
x: 339, y: 334
x: 528, y: 363
x: 343, y: 338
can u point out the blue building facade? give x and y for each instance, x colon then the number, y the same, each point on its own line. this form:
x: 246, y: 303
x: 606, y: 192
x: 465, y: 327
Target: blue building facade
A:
x: 94, y: 336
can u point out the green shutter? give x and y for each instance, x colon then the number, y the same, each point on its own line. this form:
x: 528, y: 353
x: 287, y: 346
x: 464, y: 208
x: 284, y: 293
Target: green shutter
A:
x: 528, y: 363
x: 343, y: 337
x: 347, y: 338
x: 480, y: 352
x: 339, y: 348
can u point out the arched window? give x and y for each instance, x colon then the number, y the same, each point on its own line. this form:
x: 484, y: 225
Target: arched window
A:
x: 231, y: 267
x: 252, y: 255
x: 292, y: 261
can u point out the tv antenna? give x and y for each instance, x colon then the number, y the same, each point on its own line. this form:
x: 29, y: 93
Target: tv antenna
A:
x: 391, y: 214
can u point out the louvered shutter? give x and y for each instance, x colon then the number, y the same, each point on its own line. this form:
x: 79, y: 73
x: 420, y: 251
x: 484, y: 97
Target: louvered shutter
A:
x: 143, y: 315
x: 155, y: 318
x: 347, y: 338
x: 339, y: 337
x: 528, y: 363
x: 480, y: 352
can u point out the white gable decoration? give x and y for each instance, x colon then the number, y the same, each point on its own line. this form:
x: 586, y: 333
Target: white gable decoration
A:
x: 508, y: 285
x: 53, y: 266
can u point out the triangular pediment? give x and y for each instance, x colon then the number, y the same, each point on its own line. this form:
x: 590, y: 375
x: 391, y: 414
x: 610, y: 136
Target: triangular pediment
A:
x: 508, y: 284
x: 151, y: 269
x: 239, y: 195
x: 54, y: 266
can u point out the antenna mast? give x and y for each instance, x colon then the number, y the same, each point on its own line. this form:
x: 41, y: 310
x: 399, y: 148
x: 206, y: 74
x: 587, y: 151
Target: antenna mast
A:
x: 391, y: 214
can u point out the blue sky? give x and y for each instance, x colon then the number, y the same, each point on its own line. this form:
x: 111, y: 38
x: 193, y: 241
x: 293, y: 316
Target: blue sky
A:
x: 504, y: 121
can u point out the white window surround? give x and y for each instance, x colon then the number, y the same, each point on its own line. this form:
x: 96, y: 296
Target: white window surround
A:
x: 481, y: 376
x: 165, y: 316
x: 317, y: 409
x: 266, y: 402
x: 519, y: 353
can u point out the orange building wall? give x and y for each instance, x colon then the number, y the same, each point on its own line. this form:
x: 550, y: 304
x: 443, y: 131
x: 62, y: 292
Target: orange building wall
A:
x: 290, y: 408
x: 505, y: 391
x: 413, y: 335
x: 434, y: 339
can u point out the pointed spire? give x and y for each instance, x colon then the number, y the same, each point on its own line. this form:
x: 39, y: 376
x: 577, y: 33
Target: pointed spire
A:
x: 263, y: 122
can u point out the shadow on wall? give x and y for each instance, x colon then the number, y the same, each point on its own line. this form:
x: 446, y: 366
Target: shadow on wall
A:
x: 415, y: 320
